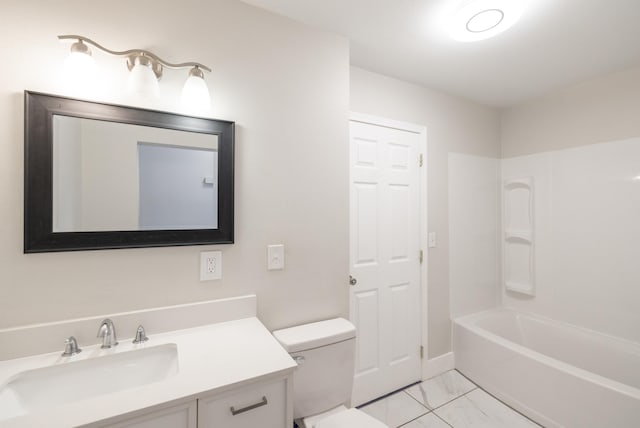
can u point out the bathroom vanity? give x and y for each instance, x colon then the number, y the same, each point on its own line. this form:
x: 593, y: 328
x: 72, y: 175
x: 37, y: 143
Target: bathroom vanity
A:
x: 229, y: 373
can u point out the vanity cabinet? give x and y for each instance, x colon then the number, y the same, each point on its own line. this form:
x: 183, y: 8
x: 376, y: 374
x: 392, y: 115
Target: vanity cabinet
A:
x: 261, y: 405
x: 229, y: 374
x: 181, y: 416
x: 264, y: 404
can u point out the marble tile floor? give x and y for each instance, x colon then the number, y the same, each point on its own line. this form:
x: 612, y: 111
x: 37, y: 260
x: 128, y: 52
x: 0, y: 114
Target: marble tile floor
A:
x: 446, y: 401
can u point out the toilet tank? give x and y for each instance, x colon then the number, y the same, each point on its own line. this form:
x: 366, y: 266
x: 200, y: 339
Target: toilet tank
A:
x: 325, y: 353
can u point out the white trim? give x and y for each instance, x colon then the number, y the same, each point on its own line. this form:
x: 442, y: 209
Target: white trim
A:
x: 424, y: 245
x: 422, y: 130
x: 388, y: 123
x: 438, y: 365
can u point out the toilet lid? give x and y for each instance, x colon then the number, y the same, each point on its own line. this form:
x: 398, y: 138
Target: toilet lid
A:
x: 352, y: 418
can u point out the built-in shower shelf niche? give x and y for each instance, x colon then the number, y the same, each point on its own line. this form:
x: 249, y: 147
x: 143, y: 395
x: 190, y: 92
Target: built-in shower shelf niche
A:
x: 519, y: 235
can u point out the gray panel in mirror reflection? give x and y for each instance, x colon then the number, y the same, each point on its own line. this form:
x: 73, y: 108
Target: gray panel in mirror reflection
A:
x: 96, y: 173
x: 178, y: 187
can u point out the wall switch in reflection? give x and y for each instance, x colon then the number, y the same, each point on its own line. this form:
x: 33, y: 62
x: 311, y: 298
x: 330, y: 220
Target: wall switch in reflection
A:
x: 275, y: 257
x: 210, y: 265
x: 432, y: 239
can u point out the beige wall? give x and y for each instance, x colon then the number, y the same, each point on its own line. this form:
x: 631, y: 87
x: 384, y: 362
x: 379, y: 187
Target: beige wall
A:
x: 290, y: 89
x: 453, y: 125
x: 595, y: 111
x: 286, y: 86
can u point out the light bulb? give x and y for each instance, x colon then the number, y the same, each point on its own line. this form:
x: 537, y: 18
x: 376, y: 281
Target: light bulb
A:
x: 143, y: 82
x: 80, y: 71
x: 195, y: 94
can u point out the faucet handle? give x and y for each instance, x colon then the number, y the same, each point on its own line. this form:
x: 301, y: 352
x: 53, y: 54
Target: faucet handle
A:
x: 71, y: 347
x: 141, y: 335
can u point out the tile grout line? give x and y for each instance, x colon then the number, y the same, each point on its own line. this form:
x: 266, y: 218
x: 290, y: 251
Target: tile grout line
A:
x: 432, y: 410
x: 398, y: 391
x: 475, y: 386
x: 509, y: 407
x: 417, y: 401
x: 425, y: 414
x: 454, y: 399
x: 492, y: 396
x: 446, y: 402
x: 465, y: 376
x: 408, y: 422
x: 445, y: 422
x: 482, y: 389
x: 428, y: 410
x: 496, y: 398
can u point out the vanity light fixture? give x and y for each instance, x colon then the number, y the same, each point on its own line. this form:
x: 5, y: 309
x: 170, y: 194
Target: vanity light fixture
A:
x: 195, y: 93
x: 146, y: 69
x: 481, y: 19
x: 80, y: 69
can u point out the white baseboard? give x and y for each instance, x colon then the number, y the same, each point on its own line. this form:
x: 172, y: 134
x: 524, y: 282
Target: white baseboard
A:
x: 438, y: 365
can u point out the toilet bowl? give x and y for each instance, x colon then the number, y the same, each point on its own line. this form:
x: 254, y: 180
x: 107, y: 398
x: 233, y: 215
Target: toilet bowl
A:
x: 322, y: 383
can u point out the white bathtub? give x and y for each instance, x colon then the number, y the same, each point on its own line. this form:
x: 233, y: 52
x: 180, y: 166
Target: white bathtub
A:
x: 558, y: 375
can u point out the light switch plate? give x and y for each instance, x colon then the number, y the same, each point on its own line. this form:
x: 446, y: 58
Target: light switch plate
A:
x: 432, y: 239
x: 210, y: 265
x: 275, y: 257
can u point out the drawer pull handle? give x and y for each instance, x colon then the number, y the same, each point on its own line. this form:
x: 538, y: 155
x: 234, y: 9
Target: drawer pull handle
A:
x: 251, y: 407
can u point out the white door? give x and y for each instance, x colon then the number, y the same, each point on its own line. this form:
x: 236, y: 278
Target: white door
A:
x: 385, y: 257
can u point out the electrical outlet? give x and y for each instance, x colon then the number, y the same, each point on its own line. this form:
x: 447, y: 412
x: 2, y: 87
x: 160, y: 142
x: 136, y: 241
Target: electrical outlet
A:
x: 210, y: 265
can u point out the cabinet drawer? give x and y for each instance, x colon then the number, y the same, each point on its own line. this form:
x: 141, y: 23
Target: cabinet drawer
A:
x: 261, y: 405
x: 182, y: 416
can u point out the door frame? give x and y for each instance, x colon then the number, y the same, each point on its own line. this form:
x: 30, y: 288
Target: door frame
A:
x: 421, y: 130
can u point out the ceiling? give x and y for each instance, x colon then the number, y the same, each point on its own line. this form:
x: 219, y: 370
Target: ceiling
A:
x: 554, y: 44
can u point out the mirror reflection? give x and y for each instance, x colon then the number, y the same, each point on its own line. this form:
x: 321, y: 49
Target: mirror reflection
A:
x: 110, y: 176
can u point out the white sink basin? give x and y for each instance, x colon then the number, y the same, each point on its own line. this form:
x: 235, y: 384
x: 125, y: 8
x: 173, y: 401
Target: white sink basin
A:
x: 73, y: 381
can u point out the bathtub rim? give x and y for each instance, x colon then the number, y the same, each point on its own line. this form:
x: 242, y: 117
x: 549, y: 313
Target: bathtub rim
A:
x: 469, y: 322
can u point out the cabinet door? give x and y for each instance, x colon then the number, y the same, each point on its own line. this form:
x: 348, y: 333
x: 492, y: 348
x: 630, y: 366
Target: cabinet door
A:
x: 182, y: 416
x: 261, y: 405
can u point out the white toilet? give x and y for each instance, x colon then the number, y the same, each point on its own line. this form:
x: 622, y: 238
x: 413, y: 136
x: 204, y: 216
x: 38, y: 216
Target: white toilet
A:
x: 325, y: 353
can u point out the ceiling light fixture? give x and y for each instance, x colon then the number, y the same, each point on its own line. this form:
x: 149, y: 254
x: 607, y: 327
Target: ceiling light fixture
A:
x: 485, y: 20
x: 146, y: 70
x: 482, y: 19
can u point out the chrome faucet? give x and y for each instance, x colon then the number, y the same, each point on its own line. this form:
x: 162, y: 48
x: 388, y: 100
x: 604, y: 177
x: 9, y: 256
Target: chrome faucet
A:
x: 107, y: 332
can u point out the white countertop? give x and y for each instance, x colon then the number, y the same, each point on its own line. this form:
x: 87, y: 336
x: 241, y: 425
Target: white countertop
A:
x: 212, y: 358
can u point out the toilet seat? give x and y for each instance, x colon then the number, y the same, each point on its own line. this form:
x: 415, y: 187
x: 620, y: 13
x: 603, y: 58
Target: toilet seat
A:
x: 351, y: 418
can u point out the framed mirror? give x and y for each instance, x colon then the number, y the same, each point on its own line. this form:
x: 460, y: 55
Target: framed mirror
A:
x: 101, y: 176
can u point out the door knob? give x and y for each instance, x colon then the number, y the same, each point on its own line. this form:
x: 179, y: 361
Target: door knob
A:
x: 352, y: 280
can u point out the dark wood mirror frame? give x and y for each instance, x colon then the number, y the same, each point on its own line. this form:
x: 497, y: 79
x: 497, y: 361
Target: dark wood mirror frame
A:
x: 38, y: 168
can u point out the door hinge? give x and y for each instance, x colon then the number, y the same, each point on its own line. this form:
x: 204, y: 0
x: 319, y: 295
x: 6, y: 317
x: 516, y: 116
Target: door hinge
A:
x: 420, y: 160
x: 421, y: 352
x: 421, y: 256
